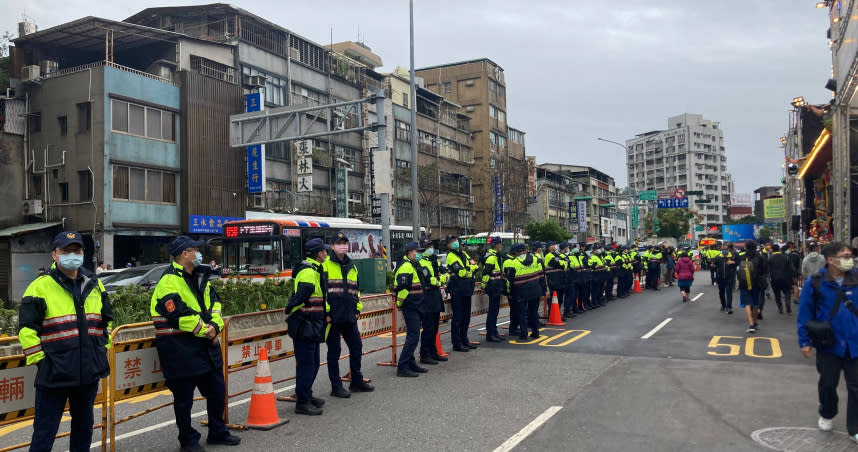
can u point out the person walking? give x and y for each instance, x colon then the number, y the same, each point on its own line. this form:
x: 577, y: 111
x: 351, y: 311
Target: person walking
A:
x: 306, y: 322
x: 493, y: 284
x: 781, y: 274
x: 751, y: 271
x: 684, y: 275
x: 830, y: 296
x: 186, y: 312
x: 812, y: 262
x: 345, y: 307
x: 725, y: 276
x: 433, y: 304
x: 409, y: 299
x: 64, y: 327
x: 523, y: 271
x: 461, y: 288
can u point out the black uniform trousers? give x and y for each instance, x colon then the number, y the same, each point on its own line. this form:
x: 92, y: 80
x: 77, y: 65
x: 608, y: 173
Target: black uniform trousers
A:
x: 212, y: 387
x: 461, y: 320
x: 413, y: 317
x: 582, y: 287
x: 351, y: 336
x: 725, y: 291
x: 532, y: 319
x: 569, y: 305
x: 653, y: 272
x: 515, y: 316
x: 50, y: 404
x: 431, y: 320
x: 306, y: 368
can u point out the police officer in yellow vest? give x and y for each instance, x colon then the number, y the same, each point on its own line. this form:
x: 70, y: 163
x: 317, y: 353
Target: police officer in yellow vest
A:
x: 307, y: 320
x: 493, y: 285
x: 523, y: 272
x: 344, y: 300
x: 461, y: 288
x: 556, y: 265
x: 433, y: 304
x: 64, y: 327
x: 409, y: 298
x: 186, y: 313
x: 711, y: 255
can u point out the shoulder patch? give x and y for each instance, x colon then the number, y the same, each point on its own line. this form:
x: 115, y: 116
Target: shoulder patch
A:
x: 170, y: 306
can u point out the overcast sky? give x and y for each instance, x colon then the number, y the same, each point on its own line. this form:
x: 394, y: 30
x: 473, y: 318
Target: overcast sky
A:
x: 577, y: 70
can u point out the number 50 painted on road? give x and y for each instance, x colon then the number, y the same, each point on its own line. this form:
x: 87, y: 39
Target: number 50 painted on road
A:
x: 734, y: 349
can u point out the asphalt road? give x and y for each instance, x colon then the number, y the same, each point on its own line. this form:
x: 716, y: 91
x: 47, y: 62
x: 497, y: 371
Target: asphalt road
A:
x: 698, y: 382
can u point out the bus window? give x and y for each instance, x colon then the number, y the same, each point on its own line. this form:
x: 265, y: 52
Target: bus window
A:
x: 292, y: 253
x: 258, y: 256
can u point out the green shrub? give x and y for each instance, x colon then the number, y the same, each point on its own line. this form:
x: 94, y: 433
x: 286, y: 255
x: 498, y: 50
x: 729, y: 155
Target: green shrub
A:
x: 9, y: 322
x: 131, y: 304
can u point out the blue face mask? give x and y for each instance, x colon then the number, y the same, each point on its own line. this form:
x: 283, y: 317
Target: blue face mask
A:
x: 70, y: 261
x: 455, y: 245
x: 429, y: 251
x: 576, y: 250
x: 418, y: 256
x: 198, y: 259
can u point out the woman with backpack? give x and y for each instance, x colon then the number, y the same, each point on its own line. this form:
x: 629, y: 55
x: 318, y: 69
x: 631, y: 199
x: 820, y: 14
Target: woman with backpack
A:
x: 684, y: 275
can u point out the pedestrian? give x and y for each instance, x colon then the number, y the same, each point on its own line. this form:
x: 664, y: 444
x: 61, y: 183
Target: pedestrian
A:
x: 812, y: 262
x: 725, y: 276
x: 670, y: 257
x: 461, y: 288
x: 781, y: 274
x: 823, y: 298
x: 684, y: 275
x: 100, y: 268
x: 345, y: 306
x: 556, y: 265
x: 409, y: 285
x: 306, y: 321
x: 64, y: 327
x: 751, y: 271
x: 523, y: 271
x: 433, y: 305
x: 493, y: 284
x: 187, y: 315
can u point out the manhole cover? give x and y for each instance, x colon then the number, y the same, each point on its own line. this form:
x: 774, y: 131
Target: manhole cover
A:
x: 800, y: 439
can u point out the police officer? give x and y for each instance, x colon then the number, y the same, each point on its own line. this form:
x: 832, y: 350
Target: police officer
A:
x: 523, y: 272
x: 409, y: 298
x: 610, y: 260
x: 653, y: 267
x: 306, y: 323
x: 186, y: 313
x: 515, y: 308
x: 64, y: 327
x: 600, y: 276
x: 568, y: 302
x: 711, y: 254
x: 493, y: 284
x: 555, y: 265
x: 585, y: 277
x: 344, y: 301
x: 433, y: 304
x: 461, y: 288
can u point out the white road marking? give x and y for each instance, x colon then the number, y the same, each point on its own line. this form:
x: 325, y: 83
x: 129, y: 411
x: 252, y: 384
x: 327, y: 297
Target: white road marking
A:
x: 513, y: 441
x: 698, y: 296
x: 656, y: 329
x: 173, y: 422
x: 499, y: 324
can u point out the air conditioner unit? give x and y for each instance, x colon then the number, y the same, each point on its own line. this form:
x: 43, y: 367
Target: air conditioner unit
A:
x: 33, y: 207
x: 469, y: 83
x: 469, y: 108
x: 30, y: 74
x: 258, y: 201
x: 470, y: 199
x: 294, y: 53
x: 256, y: 81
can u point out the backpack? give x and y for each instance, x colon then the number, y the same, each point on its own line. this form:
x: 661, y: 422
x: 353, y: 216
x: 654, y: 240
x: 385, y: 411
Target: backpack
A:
x: 746, y: 273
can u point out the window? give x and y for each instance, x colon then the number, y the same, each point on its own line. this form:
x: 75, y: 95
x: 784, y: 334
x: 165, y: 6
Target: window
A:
x: 492, y: 111
x: 35, y: 122
x: 403, y: 163
x: 84, y: 183
x: 140, y: 120
x: 63, y: 123
x: 493, y: 86
x: 84, y: 117
x: 275, y: 87
x: 64, y: 191
x: 447, y: 87
x: 501, y: 91
x: 145, y: 185
x: 403, y: 209
x: 403, y: 131
x: 405, y: 99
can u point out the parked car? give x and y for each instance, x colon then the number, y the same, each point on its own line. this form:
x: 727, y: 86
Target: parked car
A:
x: 145, y: 276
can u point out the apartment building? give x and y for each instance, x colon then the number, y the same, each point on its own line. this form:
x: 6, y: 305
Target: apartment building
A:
x: 604, y: 222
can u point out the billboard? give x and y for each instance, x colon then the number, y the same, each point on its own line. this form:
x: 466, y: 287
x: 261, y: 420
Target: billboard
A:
x: 743, y: 232
x: 741, y: 199
x: 773, y: 208
x: 531, y: 176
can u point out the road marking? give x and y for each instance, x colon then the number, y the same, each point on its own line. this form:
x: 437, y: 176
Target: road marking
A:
x: 698, y: 296
x: 656, y: 329
x: 499, y: 324
x: 173, y: 422
x: 513, y: 441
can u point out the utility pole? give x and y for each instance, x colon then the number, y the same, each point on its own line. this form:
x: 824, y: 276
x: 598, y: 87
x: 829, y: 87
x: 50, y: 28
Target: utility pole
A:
x: 415, y: 203
x: 384, y: 197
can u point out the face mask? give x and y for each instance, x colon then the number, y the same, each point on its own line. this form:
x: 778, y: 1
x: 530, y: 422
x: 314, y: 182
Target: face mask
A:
x: 576, y: 250
x: 418, y: 256
x: 71, y: 261
x: 846, y: 264
x: 454, y: 245
x: 724, y: 252
x: 787, y: 252
x: 341, y: 248
x: 429, y: 252
x: 198, y: 259
x: 589, y: 253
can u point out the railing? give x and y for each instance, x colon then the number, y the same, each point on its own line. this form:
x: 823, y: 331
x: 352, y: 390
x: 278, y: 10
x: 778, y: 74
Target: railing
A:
x: 85, y: 67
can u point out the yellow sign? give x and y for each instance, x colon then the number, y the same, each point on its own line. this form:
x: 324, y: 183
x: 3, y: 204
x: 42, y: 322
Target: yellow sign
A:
x: 773, y: 208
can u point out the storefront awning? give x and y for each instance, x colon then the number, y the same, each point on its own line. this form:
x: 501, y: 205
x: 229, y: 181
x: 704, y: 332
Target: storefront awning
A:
x: 25, y: 228
x: 819, y: 156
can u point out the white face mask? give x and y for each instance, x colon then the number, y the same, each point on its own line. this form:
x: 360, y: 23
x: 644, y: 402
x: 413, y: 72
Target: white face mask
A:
x: 341, y: 248
x: 846, y: 265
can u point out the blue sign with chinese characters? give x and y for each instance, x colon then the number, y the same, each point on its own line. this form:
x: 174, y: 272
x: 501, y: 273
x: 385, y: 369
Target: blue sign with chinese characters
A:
x: 253, y: 102
x: 255, y: 168
x: 499, y: 217
x: 673, y: 203
x: 208, y: 224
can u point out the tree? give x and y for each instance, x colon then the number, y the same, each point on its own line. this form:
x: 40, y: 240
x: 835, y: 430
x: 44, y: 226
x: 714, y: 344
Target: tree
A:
x: 546, y: 230
x: 5, y: 60
x: 672, y: 223
x: 764, y: 234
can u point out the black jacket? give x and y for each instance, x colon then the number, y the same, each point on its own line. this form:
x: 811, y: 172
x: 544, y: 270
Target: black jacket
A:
x: 780, y: 268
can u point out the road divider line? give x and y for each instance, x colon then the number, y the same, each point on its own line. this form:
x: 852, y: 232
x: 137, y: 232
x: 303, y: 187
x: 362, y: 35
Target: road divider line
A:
x: 514, y: 440
x: 173, y: 422
x: 499, y: 324
x: 657, y: 328
x: 698, y: 296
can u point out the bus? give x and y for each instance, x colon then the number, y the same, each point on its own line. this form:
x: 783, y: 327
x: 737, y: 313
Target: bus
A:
x: 475, y: 244
x: 704, y: 244
x: 270, y: 245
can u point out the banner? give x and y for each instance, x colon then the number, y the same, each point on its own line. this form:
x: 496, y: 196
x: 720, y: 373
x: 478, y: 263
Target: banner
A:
x: 531, y: 176
x: 582, y: 216
x: 255, y: 154
x: 741, y: 199
x: 773, y: 208
x: 573, y: 213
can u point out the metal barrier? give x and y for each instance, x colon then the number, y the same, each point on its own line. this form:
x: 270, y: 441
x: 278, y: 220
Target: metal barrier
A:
x: 18, y: 394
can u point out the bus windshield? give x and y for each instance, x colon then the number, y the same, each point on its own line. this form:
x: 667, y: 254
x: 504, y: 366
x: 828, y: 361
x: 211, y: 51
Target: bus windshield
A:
x: 253, y: 256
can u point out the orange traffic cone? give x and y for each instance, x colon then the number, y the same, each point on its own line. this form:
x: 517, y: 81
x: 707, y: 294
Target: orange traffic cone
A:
x: 263, y: 409
x: 554, y: 318
x: 438, y: 346
x: 637, y: 288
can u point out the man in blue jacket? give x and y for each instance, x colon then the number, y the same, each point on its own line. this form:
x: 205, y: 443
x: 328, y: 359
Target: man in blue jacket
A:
x: 835, y: 290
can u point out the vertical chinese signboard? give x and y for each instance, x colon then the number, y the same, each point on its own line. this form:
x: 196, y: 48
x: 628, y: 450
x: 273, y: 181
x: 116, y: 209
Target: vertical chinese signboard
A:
x: 255, y: 154
x: 304, y: 165
x: 582, y: 216
x: 573, y: 214
x: 498, y: 189
x: 531, y: 176
x: 342, y: 182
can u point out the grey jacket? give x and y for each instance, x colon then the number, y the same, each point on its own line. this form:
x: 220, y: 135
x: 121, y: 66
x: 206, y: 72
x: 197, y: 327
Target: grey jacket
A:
x: 811, y: 264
